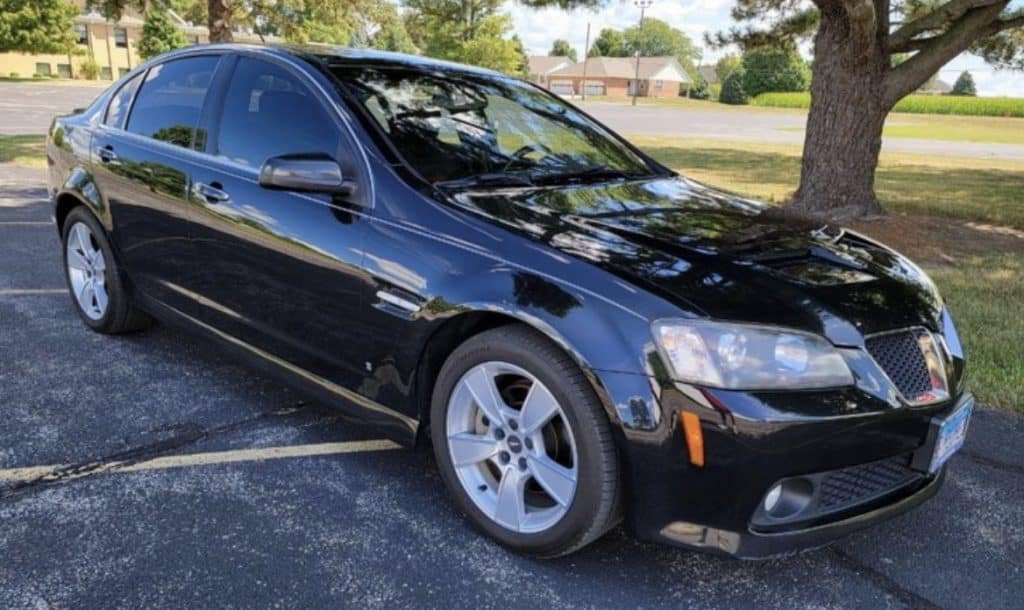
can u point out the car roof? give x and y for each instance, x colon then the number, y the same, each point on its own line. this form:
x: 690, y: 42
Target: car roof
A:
x: 343, y: 56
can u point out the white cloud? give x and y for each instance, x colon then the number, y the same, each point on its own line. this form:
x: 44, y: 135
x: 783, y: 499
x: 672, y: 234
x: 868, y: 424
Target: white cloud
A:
x: 538, y: 28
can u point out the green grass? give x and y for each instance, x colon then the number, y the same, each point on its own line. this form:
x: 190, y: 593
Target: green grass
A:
x: 28, y: 150
x: 917, y: 104
x: 986, y: 295
x: 970, y: 189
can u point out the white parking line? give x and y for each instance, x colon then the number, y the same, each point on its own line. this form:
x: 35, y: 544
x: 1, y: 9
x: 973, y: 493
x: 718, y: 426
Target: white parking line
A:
x: 31, y: 473
x: 22, y: 292
x: 25, y: 223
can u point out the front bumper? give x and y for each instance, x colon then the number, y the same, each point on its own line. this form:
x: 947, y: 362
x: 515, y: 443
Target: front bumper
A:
x: 751, y: 442
x: 760, y: 545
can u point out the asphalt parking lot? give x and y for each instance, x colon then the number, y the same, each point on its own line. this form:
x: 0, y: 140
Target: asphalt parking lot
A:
x: 151, y: 471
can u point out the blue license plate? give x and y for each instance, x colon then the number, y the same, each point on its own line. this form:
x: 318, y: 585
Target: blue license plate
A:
x: 952, y: 432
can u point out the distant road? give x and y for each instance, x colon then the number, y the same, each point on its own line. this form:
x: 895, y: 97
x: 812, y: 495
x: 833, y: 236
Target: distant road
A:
x: 767, y: 127
x: 29, y: 107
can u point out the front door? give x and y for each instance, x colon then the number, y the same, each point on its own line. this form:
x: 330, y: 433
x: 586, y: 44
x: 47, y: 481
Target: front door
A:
x: 280, y: 271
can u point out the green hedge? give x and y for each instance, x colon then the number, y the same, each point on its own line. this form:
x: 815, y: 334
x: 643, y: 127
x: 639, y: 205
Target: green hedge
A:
x: 920, y: 104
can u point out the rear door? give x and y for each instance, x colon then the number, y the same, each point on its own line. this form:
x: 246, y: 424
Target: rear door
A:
x: 143, y: 157
x: 279, y: 270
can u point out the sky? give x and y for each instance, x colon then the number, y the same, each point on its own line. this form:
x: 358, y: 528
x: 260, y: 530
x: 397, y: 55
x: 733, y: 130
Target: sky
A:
x: 538, y: 28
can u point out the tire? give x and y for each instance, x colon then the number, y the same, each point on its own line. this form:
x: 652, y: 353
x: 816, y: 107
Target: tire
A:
x: 485, y: 464
x: 95, y: 280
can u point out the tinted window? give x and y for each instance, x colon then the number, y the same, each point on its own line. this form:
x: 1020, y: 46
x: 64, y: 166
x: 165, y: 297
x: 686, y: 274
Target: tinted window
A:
x: 118, y: 108
x: 171, y: 99
x: 268, y: 113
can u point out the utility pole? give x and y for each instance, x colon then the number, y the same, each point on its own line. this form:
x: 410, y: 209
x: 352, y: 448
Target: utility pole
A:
x: 586, y: 58
x: 643, y: 5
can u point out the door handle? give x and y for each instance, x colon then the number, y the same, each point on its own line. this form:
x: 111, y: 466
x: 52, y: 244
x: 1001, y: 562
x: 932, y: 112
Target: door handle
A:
x: 106, y: 154
x: 212, y: 193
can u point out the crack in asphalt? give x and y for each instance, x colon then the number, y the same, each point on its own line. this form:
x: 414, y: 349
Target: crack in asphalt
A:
x: 184, y: 435
x: 992, y: 462
x: 883, y: 581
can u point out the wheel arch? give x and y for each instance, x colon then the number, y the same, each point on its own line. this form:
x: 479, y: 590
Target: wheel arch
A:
x: 454, y: 331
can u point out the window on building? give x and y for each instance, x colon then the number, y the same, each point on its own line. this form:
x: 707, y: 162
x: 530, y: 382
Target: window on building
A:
x: 658, y: 84
x: 82, y: 32
x: 121, y: 38
x: 268, y: 112
x: 106, y: 74
x: 122, y: 71
x: 170, y: 101
x: 64, y: 70
x: 43, y: 68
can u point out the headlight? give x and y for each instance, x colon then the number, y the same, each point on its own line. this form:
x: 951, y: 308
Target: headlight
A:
x: 746, y: 357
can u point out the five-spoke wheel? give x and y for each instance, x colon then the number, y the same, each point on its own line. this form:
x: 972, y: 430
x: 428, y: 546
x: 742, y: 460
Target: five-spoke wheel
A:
x: 512, y: 447
x: 96, y: 286
x: 523, y: 443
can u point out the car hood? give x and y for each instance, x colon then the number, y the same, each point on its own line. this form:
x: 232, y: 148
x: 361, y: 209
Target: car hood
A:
x: 718, y: 255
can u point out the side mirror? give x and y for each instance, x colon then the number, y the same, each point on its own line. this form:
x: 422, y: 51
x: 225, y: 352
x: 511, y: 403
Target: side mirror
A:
x: 305, y: 174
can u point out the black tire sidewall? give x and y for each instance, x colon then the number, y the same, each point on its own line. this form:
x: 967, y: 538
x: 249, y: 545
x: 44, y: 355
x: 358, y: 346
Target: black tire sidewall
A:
x: 585, y: 508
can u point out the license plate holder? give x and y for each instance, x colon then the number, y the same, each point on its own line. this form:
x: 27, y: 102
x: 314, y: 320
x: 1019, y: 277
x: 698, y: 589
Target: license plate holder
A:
x: 946, y: 436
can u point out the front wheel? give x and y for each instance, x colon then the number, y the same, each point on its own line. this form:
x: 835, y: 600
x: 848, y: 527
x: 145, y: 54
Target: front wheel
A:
x: 523, y: 443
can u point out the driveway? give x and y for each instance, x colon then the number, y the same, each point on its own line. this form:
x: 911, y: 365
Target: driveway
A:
x: 29, y: 107
x: 179, y: 479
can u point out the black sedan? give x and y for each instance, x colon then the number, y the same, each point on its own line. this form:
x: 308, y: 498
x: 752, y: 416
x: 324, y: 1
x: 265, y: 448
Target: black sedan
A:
x: 463, y: 259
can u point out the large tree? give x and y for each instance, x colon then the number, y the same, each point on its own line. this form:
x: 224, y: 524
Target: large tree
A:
x: 562, y: 48
x: 658, y: 38
x: 855, y: 81
x: 37, y: 26
x: 468, y: 31
x: 160, y: 34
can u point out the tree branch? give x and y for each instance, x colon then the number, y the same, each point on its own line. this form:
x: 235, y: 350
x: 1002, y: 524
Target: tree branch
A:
x: 933, y: 20
x: 1001, y: 25
x: 911, y: 74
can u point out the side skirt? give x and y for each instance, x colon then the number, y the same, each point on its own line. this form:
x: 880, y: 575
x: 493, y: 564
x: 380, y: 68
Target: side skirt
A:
x: 396, y: 426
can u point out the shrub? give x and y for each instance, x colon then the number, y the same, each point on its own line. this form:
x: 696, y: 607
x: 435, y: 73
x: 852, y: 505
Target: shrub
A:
x: 732, y: 89
x: 38, y: 75
x: 699, y: 89
x: 15, y: 75
x: 90, y: 70
x: 774, y: 69
x: 918, y: 104
x: 964, y: 85
x: 715, y: 89
x: 159, y: 35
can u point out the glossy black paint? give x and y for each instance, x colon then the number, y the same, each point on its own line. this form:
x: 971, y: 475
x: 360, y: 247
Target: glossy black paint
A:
x: 360, y: 298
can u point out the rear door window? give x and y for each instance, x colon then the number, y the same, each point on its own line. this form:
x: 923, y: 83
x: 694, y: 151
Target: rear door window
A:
x: 170, y: 102
x: 117, y: 111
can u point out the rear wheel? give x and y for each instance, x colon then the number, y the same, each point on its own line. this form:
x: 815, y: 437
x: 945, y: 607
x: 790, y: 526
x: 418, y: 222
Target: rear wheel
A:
x: 94, y: 279
x: 523, y: 443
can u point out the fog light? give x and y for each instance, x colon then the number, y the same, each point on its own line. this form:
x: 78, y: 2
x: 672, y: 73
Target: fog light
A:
x: 772, y: 499
x: 788, y: 498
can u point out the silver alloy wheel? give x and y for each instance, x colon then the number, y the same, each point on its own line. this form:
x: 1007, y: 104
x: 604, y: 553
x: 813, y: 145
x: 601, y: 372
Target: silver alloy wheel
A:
x: 512, y: 447
x: 87, y: 270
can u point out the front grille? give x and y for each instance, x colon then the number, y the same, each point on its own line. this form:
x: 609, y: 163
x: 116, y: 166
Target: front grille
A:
x: 857, y: 484
x: 901, y: 357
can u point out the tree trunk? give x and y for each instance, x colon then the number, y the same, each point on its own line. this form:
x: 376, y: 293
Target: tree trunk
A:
x: 844, y: 127
x: 220, y: 20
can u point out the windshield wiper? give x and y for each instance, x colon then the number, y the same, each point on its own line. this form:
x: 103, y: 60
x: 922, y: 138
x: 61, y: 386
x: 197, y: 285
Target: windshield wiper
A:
x: 487, y: 179
x: 591, y: 172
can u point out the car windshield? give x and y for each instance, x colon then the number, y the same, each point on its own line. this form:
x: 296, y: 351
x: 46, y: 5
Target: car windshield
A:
x: 466, y: 130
